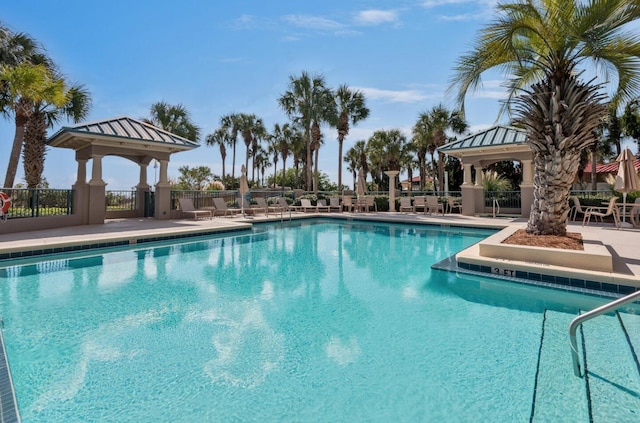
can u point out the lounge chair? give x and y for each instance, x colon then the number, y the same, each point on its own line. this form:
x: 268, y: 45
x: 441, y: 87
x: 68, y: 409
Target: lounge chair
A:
x: 602, y: 212
x: 322, y: 206
x: 434, y: 204
x: 262, y: 205
x: 222, y: 209
x: 186, y: 207
x: 405, y: 205
x: 347, y: 203
x: 282, y: 202
x: 305, y: 205
x: 420, y: 203
x: 334, y: 204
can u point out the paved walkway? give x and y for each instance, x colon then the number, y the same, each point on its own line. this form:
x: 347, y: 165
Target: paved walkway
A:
x: 624, y: 244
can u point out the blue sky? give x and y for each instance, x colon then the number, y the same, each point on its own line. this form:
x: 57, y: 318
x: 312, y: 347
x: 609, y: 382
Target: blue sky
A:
x: 219, y: 57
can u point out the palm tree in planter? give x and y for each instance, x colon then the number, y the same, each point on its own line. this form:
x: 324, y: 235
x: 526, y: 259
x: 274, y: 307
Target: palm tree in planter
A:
x: 540, y: 45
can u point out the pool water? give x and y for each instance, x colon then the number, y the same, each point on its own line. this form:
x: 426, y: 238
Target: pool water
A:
x: 328, y: 321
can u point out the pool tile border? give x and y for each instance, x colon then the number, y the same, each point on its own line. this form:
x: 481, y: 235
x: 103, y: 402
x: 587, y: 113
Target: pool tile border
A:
x: 561, y: 281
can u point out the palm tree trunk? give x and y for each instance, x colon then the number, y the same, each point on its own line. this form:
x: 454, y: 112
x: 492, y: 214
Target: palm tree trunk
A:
x: 555, y: 172
x: 284, y: 172
x: 315, y: 173
x: 34, y: 149
x: 340, y: 141
x: 23, y: 112
x: 233, y: 168
x: 308, y: 163
x: 440, y: 171
x: 594, y: 176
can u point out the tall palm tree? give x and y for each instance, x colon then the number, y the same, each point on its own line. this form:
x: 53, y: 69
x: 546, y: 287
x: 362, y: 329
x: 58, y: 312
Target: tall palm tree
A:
x: 351, y: 108
x: 442, y: 120
x: 351, y: 159
x: 423, y: 141
x: 220, y: 137
x: 175, y: 119
x: 46, y: 115
x: 384, y: 149
x: 282, y: 136
x: 298, y: 151
x: 26, y: 85
x: 250, y: 127
x: 229, y: 124
x: 308, y: 102
x: 262, y: 162
x: 274, y: 151
x: 540, y: 45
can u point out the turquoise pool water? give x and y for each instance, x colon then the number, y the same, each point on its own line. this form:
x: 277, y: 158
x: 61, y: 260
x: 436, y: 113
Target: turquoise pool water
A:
x: 335, y: 322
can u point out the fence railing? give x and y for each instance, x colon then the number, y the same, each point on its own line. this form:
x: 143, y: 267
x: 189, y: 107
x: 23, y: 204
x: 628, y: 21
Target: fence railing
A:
x: 39, y: 202
x: 121, y: 200
x: 505, y: 199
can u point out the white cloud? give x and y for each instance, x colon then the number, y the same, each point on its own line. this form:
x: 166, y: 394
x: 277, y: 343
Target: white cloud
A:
x: 401, y: 96
x: 313, y: 22
x: 376, y: 17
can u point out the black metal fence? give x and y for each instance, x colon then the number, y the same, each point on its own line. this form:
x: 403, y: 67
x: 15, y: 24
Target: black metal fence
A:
x: 39, y: 202
x: 121, y: 200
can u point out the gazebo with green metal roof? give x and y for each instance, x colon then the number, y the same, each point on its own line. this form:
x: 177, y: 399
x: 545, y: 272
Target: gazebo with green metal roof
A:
x: 124, y: 137
x: 498, y: 143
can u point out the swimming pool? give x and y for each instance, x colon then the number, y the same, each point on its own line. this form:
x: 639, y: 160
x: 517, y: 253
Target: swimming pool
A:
x: 305, y: 321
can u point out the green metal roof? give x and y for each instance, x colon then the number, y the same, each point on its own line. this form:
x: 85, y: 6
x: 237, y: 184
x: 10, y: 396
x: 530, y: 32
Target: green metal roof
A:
x: 496, y: 136
x: 126, y: 128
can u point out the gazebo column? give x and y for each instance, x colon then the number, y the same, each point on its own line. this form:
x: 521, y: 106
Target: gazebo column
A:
x: 479, y: 189
x: 163, y: 193
x: 526, y: 188
x: 468, y: 192
x: 81, y: 192
x: 97, y: 192
x: 142, y: 191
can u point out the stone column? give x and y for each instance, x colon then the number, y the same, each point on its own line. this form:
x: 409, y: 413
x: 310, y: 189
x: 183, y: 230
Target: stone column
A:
x: 392, y: 188
x: 163, y: 193
x: 97, y: 193
x: 526, y: 188
x: 141, y: 190
x: 81, y: 192
x: 468, y: 192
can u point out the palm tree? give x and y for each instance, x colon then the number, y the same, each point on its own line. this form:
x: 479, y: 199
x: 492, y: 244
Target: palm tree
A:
x: 298, y: 145
x: 351, y: 108
x: 385, y: 149
x: 274, y: 151
x: 440, y: 121
x: 351, y: 158
x: 423, y: 141
x: 250, y: 127
x: 221, y: 138
x: 46, y: 115
x: 282, y: 143
x: 308, y: 102
x: 229, y: 124
x: 175, y: 119
x: 540, y: 45
x: 26, y: 85
x: 262, y: 162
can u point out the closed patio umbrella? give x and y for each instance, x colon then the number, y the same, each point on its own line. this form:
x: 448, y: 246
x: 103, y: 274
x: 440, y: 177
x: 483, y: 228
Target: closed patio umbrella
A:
x: 362, y: 184
x: 244, y: 187
x: 626, y: 179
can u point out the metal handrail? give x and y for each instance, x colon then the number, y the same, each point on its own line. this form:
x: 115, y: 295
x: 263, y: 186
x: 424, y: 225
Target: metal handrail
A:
x: 573, y: 326
x: 495, y: 205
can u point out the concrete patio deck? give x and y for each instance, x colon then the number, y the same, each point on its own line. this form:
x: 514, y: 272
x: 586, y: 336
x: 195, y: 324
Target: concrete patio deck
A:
x: 622, y: 244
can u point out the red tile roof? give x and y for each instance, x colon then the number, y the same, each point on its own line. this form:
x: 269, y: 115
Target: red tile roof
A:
x: 610, y: 167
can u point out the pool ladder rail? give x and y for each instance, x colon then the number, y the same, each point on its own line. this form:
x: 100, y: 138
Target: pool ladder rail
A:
x: 573, y: 326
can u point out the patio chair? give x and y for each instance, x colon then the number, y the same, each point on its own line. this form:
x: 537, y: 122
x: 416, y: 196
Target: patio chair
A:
x: 370, y: 202
x: 262, y: 204
x: 186, y: 207
x: 405, y: 205
x: 434, y: 204
x: 454, y: 203
x: 602, y: 212
x: 222, y: 209
x: 347, y: 203
x: 420, y: 202
x: 322, y: 205
x: 576, y: 208
x: 334, y: 204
